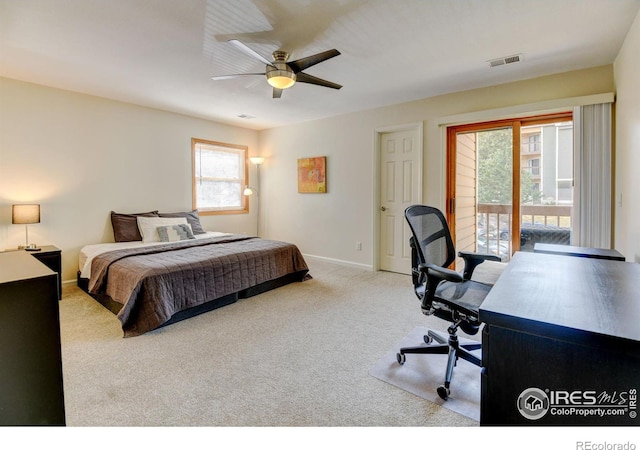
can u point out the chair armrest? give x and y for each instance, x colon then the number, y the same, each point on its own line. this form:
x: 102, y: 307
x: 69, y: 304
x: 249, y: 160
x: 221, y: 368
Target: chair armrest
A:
x: 435, y: 274
x: 442, y: 273
x: 472, y: 260
x: 482, y: 256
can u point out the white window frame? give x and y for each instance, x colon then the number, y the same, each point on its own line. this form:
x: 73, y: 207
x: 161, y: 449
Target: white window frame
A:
x: 241, y: 151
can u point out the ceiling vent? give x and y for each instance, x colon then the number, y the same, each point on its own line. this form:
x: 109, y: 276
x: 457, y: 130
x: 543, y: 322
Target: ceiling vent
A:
x: 506, y: 60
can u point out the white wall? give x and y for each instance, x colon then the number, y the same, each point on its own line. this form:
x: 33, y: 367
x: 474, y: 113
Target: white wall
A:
x: 328, y: 225
x: 627, y: 77
x: 81, y: 156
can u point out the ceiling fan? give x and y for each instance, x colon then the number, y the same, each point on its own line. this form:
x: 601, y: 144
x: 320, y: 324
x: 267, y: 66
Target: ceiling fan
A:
x: 282, y: 74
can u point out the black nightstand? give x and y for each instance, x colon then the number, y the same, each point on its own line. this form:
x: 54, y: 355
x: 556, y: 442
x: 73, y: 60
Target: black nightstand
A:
x: 51, y: 256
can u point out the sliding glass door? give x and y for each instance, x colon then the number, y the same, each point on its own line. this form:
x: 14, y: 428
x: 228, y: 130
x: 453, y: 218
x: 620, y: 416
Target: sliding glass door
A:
x: 510, y: 178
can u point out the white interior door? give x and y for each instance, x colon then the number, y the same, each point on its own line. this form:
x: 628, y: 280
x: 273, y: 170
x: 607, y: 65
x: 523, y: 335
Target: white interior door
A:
x: 400, y: 187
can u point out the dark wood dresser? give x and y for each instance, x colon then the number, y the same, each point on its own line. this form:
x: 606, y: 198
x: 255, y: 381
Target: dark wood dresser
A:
x: 31, y: 388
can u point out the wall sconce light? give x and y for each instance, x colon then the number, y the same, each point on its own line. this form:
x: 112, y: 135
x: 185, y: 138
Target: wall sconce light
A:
x: 26, y: 214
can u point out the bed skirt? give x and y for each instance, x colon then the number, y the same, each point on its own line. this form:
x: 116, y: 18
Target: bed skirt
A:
x: 114, y: 307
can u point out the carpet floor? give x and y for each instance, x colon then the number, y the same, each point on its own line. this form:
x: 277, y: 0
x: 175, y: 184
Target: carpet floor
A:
x: 297, y: 356
x: 422, y: 374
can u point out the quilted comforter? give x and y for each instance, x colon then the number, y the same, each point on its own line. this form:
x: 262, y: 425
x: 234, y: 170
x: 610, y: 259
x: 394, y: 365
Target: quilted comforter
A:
x: 154, y: 283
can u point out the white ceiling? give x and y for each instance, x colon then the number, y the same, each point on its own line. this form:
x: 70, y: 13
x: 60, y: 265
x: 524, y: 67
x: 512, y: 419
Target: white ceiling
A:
x: 162, y: 53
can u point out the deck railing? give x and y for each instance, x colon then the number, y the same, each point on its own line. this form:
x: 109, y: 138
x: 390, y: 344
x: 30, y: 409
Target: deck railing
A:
x: 538, y: 223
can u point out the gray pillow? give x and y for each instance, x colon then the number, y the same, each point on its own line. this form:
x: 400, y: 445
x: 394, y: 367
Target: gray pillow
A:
x: 125, y: 226
x: 192, y: 217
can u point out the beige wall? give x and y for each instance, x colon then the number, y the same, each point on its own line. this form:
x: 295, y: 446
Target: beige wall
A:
x: 329, y: 225
x: 81, y: 157
x: 627, y: 76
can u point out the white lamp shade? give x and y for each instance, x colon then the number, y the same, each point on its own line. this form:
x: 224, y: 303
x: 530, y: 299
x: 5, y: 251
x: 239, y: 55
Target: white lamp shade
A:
x: 257, y: 160
x: 25, y: 214
x: 281, y: 79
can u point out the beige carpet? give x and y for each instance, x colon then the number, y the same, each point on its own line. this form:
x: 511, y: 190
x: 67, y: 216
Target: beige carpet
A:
x: 297, y: 356
x: 422, y: 374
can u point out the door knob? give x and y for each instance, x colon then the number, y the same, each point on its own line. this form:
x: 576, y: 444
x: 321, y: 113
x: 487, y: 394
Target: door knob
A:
x: 382, y: 208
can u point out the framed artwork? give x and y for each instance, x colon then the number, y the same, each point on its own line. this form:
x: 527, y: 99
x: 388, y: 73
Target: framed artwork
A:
x: 312, y: 175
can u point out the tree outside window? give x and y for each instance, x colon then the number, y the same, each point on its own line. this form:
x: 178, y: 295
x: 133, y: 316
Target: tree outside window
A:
x: 495, y: 170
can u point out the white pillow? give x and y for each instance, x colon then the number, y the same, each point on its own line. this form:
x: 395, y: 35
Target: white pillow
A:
x: 148, y: 225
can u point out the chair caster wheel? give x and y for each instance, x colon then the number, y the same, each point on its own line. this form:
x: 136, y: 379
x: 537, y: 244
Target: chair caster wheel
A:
x: 443, y: 392
x: 427, y: 339
x: 401, y: 357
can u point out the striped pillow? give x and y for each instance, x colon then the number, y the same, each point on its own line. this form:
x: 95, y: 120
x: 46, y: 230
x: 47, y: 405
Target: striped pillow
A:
x: 173, y: 233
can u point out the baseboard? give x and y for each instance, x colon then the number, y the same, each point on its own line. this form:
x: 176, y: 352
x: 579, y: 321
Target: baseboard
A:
x: 339, y: 262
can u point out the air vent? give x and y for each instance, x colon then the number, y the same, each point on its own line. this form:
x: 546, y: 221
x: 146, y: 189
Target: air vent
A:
x: 246, y: 116
x: 506, y: 60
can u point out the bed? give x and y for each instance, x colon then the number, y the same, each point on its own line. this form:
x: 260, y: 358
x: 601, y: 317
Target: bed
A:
x: 150, y: 282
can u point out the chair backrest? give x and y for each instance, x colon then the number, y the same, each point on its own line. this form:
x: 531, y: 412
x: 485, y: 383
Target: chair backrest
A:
x: 431, y: 234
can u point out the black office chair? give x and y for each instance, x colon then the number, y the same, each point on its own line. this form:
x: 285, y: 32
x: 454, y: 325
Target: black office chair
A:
x: 443, y: 292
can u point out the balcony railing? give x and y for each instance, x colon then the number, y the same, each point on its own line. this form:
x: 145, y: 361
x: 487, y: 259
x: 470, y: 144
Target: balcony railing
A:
x: 538, y: 223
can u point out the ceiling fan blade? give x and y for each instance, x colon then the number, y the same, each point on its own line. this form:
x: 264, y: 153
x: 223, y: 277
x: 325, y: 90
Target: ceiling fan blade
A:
x: 249, y: 51
x: 277, y: 93
x: 300, y: 64
x: 235, y: 75
x: 310, y: 79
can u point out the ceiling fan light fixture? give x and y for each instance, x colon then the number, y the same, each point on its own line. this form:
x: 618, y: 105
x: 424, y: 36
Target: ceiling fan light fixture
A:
x: 281, y: 74
x: 280, y: 77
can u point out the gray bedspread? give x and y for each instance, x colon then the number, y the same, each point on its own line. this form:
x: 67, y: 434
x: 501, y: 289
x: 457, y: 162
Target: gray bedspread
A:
x: 154, y: 283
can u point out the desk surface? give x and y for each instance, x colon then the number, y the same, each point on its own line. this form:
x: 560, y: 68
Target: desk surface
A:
x: 19, y: 265
x: 582, y: 252
x: 578, y: 300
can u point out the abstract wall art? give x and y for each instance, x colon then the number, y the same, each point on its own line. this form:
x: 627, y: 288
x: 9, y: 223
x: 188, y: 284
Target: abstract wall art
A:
x: 312, y: 175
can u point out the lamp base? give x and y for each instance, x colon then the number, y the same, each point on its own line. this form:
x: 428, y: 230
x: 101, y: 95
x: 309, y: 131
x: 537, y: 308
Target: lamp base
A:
x: 30, y: 248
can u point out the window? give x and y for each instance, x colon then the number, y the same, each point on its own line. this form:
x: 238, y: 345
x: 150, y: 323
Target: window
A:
x: 534, y: 167
x: 534, y: 143
x: 565, y: 191
x: 219, y: 176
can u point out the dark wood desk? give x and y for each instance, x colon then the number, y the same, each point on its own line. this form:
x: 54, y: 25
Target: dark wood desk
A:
x: 581, y: 252
x: 31, y: 380
x: 561, y: 343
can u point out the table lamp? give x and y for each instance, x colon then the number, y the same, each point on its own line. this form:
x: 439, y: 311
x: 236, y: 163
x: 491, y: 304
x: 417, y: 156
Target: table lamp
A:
x: 26, y: 214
